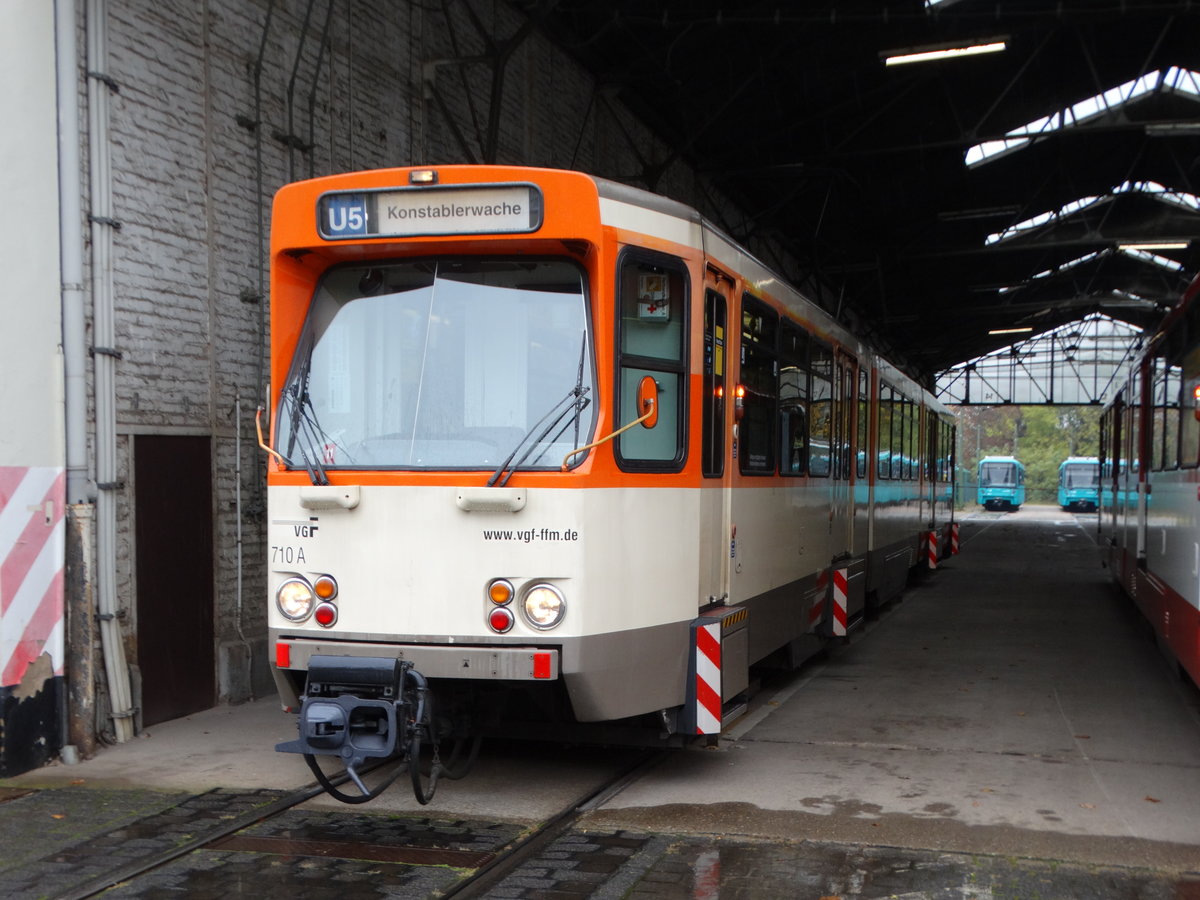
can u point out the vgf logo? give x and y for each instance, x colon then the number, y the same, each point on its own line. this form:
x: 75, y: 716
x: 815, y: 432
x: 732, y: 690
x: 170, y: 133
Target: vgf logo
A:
x: 344, y: 214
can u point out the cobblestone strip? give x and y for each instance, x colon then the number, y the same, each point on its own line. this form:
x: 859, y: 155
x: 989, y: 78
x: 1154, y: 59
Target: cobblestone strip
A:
x: 58, y: 840
x: 220, y: 874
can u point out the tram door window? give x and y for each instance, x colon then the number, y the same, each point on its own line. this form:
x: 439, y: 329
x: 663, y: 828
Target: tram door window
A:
x: 843, y: 467
x: 713, y: 413
x: 1164, y: 432
x: 759, y: 386
x: 1189, y: 358
x: 821, y: 411
x: 864, y: 422
x: 652, y: 331
x: 913, y: 450
x: 793, y: 400
x: 1133, y: 414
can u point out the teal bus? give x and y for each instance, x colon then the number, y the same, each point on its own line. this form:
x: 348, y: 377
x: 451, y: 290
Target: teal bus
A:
x: 1079, y: 483
x: 1001, y: 483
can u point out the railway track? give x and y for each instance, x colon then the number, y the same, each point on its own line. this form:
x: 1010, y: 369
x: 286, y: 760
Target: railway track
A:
x: 487, y: 868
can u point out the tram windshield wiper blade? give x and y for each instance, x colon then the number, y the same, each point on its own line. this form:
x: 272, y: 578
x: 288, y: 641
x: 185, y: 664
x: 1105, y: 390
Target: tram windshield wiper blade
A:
x: 306, y: 430
x: 575, y: 399
x: 580, y: 404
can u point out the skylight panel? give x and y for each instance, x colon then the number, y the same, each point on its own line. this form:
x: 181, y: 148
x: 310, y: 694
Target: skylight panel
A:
x: 1040, y: 219
x: 1063, y: 267
x: 1154, y: 259
x: 1184, y: 81
x: 1181, y: 199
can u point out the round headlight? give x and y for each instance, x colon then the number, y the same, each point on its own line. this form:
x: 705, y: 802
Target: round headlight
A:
x: 295, y: 599
x: 544, y: 606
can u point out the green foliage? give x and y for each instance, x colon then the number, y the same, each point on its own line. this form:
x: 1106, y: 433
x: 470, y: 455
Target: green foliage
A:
x: 1039, y: 436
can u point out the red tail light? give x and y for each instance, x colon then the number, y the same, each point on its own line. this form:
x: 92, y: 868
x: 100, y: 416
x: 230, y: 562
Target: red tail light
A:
x: 500, y: 619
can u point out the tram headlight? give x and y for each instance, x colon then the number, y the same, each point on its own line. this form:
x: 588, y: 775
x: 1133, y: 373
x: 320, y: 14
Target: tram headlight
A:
x: 295, y: 599
x: 544, y: 606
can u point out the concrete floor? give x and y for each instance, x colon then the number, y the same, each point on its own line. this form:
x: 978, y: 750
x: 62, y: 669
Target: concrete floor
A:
x: 1010, y: 704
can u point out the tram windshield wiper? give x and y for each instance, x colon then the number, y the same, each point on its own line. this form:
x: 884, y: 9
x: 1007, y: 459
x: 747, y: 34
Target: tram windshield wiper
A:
x: 576, y: 399
x: 305, y: 429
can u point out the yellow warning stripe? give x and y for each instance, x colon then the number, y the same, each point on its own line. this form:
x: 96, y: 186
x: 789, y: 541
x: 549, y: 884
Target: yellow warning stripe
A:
x: 736, y: 618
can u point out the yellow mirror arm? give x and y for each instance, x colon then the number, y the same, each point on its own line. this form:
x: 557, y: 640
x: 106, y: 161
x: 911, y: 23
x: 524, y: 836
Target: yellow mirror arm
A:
x: 607, y: 437
x: 258, y: 426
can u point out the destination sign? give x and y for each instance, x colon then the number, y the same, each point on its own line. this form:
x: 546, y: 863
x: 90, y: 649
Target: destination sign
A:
x: 412, y: 212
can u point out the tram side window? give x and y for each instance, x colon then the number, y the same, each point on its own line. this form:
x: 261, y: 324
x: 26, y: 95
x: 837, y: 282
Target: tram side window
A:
x: 1171, y: 429
x: 946, y: 461
x: 652, y: 329
x: 932, y: 446
x: 821, y: 411
x: 908, y: 470
x: 884, y: 464
x: 793, y: 399
x: 759, y: 383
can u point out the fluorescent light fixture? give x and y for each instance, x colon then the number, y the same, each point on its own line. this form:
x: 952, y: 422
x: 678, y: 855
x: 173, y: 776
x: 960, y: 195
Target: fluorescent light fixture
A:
x: 941, y: 51
x: 1010, y: 330
x: 1155, y: 245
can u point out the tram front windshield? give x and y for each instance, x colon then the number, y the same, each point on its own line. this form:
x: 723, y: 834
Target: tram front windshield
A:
x: 1081, y: 475
x: 441, y: 364
x: 997, y: 474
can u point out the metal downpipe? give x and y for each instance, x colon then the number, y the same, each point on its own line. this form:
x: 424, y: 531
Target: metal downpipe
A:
x: 104, y: 361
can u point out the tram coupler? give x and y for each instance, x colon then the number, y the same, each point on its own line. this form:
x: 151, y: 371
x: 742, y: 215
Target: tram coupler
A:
x: 357, y: 708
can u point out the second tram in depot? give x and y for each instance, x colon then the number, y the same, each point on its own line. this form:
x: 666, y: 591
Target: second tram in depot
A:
x: 1079, y: 483
x: 1001, y: 484
x: 1150, y: 483
x: 545, y: 447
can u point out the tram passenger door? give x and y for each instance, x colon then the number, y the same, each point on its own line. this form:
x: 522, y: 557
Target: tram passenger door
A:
x: 716, y: 496
x: 841, y: 543
x: 845, y: 470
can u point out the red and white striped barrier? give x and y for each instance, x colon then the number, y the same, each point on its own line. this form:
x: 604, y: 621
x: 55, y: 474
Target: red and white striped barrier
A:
x: 816, y: 609
x: 32, y: 557
x: 931, y: 543
x: 840, y: 592
x: 954, y: 539
x: 708, y: 679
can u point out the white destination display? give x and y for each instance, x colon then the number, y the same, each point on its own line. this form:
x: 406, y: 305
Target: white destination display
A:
x: 461, y: 211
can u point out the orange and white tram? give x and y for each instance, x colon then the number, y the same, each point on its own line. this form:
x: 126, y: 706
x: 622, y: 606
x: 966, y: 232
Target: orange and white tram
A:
x: 1150, y: 483
x: 546, y: 445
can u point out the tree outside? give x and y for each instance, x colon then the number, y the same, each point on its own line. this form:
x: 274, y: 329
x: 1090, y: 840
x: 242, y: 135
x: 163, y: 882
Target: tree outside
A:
x: 1041, y: 437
